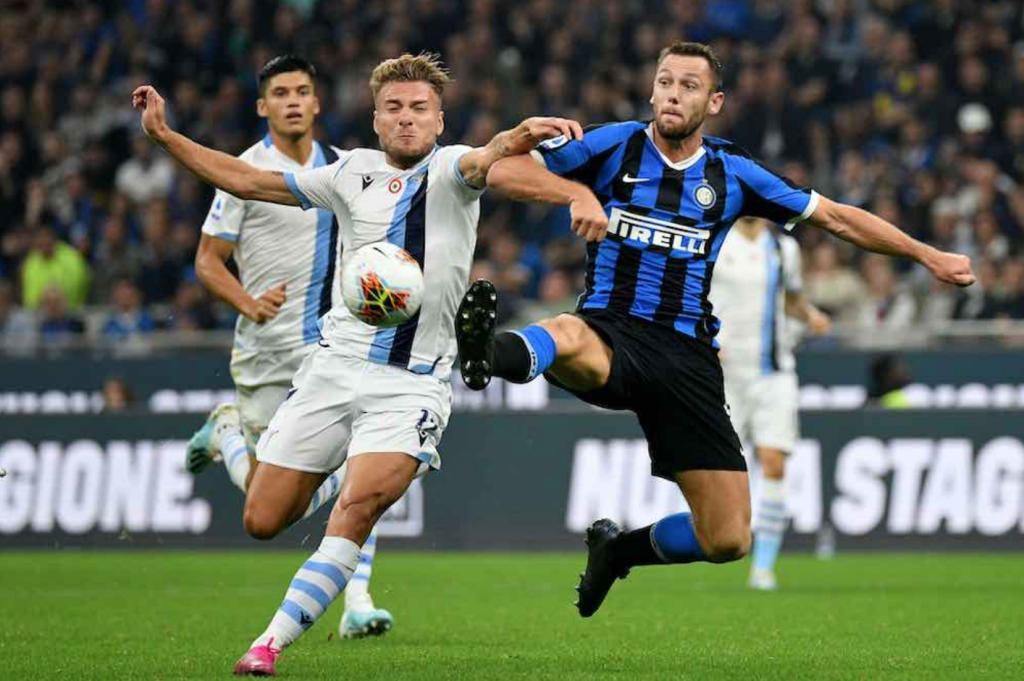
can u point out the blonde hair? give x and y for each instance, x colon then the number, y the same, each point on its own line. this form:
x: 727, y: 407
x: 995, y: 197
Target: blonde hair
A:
x: 425, y: 67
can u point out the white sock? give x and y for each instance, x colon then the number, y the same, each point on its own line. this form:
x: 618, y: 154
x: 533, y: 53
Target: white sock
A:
x: 357, y: 595
x: 327, y: 491
x: 230, y: 440
x: 771, y: 524
x: 314, y: 587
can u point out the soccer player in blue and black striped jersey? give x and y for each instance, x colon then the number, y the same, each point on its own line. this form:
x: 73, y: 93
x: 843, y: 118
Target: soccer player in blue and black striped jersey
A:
x: 643, y: 334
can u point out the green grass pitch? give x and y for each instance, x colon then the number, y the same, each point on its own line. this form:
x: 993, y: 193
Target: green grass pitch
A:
x: 165, y: 615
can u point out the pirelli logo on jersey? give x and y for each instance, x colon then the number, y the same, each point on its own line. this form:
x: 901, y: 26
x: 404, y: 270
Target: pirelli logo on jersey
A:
x: 660, y: 233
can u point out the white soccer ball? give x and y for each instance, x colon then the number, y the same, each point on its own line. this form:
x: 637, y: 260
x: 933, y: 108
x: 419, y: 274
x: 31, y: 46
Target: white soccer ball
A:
x: 382, y: 285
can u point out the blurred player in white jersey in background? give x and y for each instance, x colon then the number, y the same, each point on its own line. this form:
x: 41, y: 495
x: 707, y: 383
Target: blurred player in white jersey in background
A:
x: 755, y: 290
x: 378, y: 398
x: 286, y: 261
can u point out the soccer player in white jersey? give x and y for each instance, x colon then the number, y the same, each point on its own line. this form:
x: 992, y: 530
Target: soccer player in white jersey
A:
x: 286, y: 261
x: 381, y: 397
x: 756, y: 288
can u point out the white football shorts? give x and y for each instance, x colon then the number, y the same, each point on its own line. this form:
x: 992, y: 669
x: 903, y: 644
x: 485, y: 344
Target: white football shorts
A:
x: 262, y: 381
x: 763, y: 409
x: 342, y: 406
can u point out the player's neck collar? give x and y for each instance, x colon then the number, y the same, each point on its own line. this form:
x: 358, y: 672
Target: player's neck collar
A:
x: 675, y: 165
x: 268, y: 142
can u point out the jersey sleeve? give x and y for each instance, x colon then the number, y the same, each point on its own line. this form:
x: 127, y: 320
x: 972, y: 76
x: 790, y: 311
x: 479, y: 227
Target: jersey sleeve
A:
x: 792, y: 277
x: 446, y: 169
x: 566, y: 157
x: 771, y: 196
x: 318, y: 187
x: 225, y: 218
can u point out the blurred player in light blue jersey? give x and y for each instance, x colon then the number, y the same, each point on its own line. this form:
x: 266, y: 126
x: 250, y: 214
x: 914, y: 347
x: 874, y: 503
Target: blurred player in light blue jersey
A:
x: 756, y: 288
x: 376, y: 398
x: 286, y: 262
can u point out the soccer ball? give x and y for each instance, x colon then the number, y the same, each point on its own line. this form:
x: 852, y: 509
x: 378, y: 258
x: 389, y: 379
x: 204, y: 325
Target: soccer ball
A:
x: 382, y: 285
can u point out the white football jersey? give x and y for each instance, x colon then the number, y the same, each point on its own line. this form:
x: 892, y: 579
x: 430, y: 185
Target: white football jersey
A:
x: 275, y: 243
x: 748, y: 288
x: 431, y: 212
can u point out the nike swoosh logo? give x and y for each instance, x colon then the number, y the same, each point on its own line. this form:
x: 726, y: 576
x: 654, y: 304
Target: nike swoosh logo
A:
x: 631, y: 180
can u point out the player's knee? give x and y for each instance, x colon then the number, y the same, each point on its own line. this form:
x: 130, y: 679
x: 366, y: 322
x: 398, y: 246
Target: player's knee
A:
x: 360, y: 513
x: 568, y: 332
x: 727, y: 545
x: 259, y: 524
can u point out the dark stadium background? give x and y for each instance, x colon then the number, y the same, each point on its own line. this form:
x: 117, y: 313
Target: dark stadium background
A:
x: 914, y: 110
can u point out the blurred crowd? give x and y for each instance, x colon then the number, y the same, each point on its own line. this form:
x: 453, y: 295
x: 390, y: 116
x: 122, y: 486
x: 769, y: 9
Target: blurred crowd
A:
x: 912, y: 109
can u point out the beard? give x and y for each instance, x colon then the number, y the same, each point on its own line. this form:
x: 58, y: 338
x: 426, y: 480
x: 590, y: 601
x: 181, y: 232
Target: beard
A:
x: 406, y: 156
x: 680, y: 131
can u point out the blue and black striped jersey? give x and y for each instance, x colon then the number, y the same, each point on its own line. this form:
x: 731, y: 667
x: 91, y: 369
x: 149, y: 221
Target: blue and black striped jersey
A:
x: 667, y: 221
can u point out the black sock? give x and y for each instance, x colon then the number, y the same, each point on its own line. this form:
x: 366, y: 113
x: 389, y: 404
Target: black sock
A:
x: 635, y: 548
x: 512, y: 360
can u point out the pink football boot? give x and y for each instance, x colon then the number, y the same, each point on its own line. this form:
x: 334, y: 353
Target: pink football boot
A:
x: 259, y: 661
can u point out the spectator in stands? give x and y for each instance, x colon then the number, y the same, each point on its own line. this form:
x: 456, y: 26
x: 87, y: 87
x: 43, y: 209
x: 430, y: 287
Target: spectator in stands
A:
x: 56, y: 324
x: 876, y: 99
x: 979, y: 301
x: 81, y: 216
x: 17, y: 328
x: 118, y: 259
x: 161, y: 272
x: 831, y: 286
x: 148, y: 174
x: 886, y: 307
x: 1010, y: 301
x: 888, y: 375
x: 558, y: 293
x: 989, y: 242
x: 191, y: 309
x: 117, y: 395
x: 129, y: 317
x: 50, y: 263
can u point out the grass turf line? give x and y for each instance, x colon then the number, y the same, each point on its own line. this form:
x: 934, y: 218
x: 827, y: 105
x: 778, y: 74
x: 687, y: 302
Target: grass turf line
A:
x: 154, y: 615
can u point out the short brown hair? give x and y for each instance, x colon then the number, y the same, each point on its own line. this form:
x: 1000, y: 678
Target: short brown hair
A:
x: 425, y: 67
x: 681, y: 48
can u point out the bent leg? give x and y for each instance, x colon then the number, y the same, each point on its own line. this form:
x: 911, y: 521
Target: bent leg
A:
x: 564, y: 346
x: 277, y: 497
x: 374, y: 482
x: 720, y: 504
x: 717, y: 528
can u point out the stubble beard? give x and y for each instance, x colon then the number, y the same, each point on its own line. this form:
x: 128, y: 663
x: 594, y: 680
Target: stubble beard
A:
x: 679, y: 133
x: 405, y: 158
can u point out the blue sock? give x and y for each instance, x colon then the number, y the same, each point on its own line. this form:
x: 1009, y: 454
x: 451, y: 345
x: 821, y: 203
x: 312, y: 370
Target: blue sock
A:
x: 541, y: 347
x: 675, y: 541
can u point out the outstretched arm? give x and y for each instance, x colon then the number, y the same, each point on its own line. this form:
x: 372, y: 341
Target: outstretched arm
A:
x: 523, y: 178
x: 521, y: 139
x: 872, y: 233
x: 213, y: 167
